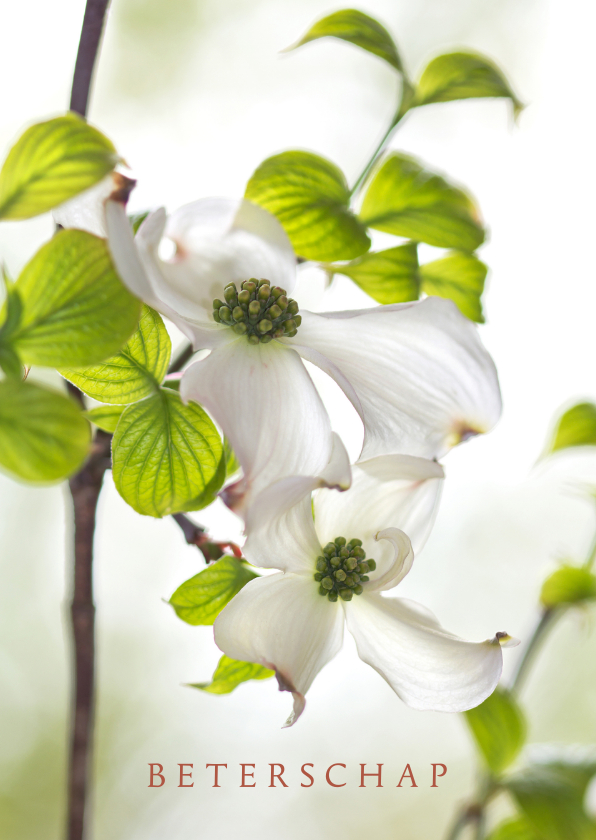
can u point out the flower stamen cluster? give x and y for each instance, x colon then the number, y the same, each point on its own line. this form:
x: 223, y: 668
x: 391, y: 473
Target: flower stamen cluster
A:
x: 343, y: 569
x: 259, y: 311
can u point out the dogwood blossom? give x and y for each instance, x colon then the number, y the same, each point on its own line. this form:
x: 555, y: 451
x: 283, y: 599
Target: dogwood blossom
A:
x: 292, y: 621
x: 416, y: 373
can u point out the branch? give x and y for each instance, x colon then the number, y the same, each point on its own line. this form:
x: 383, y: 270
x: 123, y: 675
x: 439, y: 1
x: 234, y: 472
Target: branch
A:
x: 196, y: 535
x: 93, y: 23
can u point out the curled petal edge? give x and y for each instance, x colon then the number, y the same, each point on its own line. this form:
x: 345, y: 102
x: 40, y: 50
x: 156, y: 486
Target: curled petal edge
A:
x: 402, y: 560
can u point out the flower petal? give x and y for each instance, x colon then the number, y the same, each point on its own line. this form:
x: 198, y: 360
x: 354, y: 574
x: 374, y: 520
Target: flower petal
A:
x: 86, y: 210
x: 416, y: 373
x: 265, y: 402
x: 427, y: 667
x: 279, y: 523
x: 281, y: 622
x: 394, y: 491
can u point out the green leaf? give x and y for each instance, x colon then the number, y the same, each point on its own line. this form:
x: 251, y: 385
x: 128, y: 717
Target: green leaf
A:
x: 133, y: 373
x: 50, y: 163
x: 356, y: 28
x: 515, y: 829
x: 463, y: 75
x: 576, y: 427
x: 167, y: 456
x: 459, y: 277
x: 137, y: 219
x: 568, y: 585
x: 551, y: 797
x: 310, y: 197
x: 499, y: 729
x: 232, y: 463
x: 76, y: 311
x: 105, y: 416
x: 201, y: 599
x: 407, y: 200
x: 389, y: 276
x: 230, y: 673
x: 43, y: 435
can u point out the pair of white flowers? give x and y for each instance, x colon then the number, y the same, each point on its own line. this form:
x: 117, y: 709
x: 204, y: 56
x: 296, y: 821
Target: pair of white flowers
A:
x: 420, y: 381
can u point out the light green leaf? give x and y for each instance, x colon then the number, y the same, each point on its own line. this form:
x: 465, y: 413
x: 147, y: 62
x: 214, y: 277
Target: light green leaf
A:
x: 133, y: 373
x: 551, y: 796
x: 232, y: 463
x: 356, y: 28
x: 230, y: 673
x: 499, y: 729
x: 568, y: 585
x: 50, y: 163
x: 310, y: 197
x: 459, y: 277
x: 201, y: 599
x: 407, y: 200
x: 137, y: 219
x: 576, y: 427
x: 105, y: 416
x: 515, y: 829
x: 43, y: 435
x: 75, y: 308
x: 389, y: 276
x: 463, y: 75
x: 167, y: 456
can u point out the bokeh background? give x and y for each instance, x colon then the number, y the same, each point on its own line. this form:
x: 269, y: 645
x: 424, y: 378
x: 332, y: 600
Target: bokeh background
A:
x: 194, y: 94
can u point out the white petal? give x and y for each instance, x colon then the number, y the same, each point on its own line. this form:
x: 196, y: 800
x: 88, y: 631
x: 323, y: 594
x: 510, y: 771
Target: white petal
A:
x: 279, y: 523
x: 86, y: 210
x: 281, y: 622
x: 400, y: 565
x: 394, y: 491
x: 266, y: 404
x: 417, y: 373
x: 427, y: 667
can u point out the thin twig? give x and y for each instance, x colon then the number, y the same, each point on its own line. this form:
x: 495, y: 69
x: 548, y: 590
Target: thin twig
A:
x: 196, y: 535
x: 93, y: 23
x: 181, y: 358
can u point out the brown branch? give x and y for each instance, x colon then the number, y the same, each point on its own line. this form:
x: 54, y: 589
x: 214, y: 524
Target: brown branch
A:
x: 93, y: 22
x: 196, y: 535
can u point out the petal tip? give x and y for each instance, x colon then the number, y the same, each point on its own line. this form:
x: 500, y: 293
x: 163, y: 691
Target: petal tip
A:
x: 123, y: 186
x: 505, y: 640
x: 299, y: 699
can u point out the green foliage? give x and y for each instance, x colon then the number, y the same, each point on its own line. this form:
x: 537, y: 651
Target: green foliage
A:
x: 310, y: 197
x: 462, y: 75
x: 499, y: 729
x: 459, y: 277
x: 232, y: 463
x: 137, y: 219
x: 167, y: 457
x: 389, y: 276
x: 516, y: 829
x: 568, y: 585
x: 407, y: 200
x: 359, y: 29
x: 50, y: 163
x: 43, y: 435
x: 551, y: 797
x: 230, y: 673
x: 135, y: 372
x: 105, y: 416
x: 75, y: 309
x: 201, y: 599
x: 576, y: 427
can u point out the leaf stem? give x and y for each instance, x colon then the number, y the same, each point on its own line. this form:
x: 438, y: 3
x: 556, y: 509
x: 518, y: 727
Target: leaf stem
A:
x: 545, y: 623
x: 93, y: 24
x: 181, y: 358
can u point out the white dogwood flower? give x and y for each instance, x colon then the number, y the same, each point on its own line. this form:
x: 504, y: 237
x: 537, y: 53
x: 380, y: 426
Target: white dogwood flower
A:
x: 416, y: 373
x: 292, y: 621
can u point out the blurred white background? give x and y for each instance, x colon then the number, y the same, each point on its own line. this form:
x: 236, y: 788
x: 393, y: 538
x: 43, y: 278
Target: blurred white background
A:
x: 194, y: 94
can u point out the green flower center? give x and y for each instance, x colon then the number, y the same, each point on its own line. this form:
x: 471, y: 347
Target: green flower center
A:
x: 342, y: 569
x: 258, y: 311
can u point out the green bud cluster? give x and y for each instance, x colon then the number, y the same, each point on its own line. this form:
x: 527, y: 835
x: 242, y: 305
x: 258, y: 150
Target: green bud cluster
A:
x: 258, y: 311
x: 342, y: 569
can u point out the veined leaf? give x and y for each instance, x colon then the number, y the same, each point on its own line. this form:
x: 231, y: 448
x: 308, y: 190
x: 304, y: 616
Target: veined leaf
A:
x: 50, y: 163
x: 75, y: 309
x: 167, y: 456
x: 568, y: 585
x: 575, y: 427
x: 230, y: 673
x: 463, y: 75
x: 389, y: 276
x: 515, y: 829
x: 310, y: 197
x: 499, y: 729
x: 232, y: 463
x: 407, y: 200
x: 459, y: 277
x: 43, y: 434
x: 359, y: 29
x: 133, y: 373
x: 105, y: 416
x: 201, y: 599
